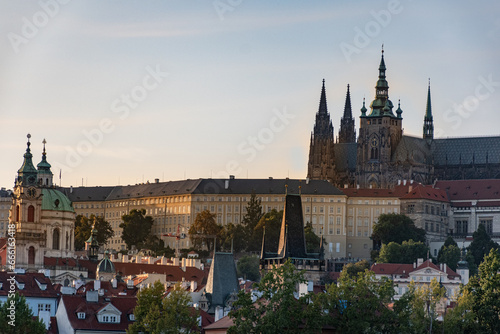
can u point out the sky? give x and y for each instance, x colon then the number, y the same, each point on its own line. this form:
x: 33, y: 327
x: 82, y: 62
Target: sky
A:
x: 125, y: 92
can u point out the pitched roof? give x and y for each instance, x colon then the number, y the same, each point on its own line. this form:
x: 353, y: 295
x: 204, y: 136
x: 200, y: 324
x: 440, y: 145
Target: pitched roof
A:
x: 471, y: 190
x: 76, y: 303
x: 42, y: 289
x: 427, y: 192
x: 222, y: 279
x: 404, y: 269
x: 292, y: 243
x: 108, y: 290
x: 412, y: 149
x: 346, y: 155
x: 456, y: 151
x: 202, y: 186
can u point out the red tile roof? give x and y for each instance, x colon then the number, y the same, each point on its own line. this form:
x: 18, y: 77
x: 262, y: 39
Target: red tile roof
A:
x: 404, y: 269
x: 466, y: 190
x: 73, y: 304
x: 427, y: 192
x: 31, y: 287
x: 108, y: 290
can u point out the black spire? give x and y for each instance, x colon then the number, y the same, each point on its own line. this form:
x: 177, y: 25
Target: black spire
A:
x: 323, y: 127
x: 428, y: 122
x: 347, y: 133
x: 26, y: 175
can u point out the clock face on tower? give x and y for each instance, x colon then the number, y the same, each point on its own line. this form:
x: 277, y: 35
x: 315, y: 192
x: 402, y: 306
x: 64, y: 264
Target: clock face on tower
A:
x: 31, y: 192
x: 374, y: 142
x: 32, y: 179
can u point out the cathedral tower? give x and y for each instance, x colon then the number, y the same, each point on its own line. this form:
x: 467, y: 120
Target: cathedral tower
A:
x: 43, y: 216
x: 379, y: 135
x: 347, y: 132
x: 321, y: 164
x: 428, y: 123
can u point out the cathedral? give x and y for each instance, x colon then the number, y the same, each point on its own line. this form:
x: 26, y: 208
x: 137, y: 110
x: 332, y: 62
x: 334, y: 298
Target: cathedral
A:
x: 382, y: 155
x: 44, y: 217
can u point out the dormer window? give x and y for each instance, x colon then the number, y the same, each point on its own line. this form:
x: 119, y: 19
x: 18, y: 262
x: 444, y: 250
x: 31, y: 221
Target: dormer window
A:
x: 131, y: 317
x: 81, y: 315
x: 20, y: 285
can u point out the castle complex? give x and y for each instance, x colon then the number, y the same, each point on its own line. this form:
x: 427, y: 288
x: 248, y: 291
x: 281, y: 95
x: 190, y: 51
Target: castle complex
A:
x: 382, y: 155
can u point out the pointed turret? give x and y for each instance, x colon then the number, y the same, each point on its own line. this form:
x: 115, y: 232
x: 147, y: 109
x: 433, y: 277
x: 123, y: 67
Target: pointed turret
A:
x: 321, y: 165
x: 91, y: 245
x: 347, y: 132
x: 26, y: 175
x: 399, y: 111
x: 44, y: 172
x: 322, y: 101
x: 381, y: 93
x: 363, y: 109
x: 428, y: 121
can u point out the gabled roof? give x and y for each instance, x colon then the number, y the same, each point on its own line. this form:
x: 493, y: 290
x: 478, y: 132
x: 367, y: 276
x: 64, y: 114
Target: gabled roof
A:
x: 427, y: 192
x: 74, y: 304
x: 404, y: 270
x: 412, y: 149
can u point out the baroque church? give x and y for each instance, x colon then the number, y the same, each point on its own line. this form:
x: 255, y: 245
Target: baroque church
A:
x: 43, y: 216
x: 382, y: 155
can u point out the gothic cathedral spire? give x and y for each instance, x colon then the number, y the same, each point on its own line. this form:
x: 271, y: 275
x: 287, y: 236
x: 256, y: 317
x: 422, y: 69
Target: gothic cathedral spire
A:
x: 428, y: 122
x: 321, y: 151
x: 347, y: 132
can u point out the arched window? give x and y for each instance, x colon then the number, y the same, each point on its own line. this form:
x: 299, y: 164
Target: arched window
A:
x: 31, y: 255
x: 31, y: 214
x: 17, y: 213
x: 55, y: 239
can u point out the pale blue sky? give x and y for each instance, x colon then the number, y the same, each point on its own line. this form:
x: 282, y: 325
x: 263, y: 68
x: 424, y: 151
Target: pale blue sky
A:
x: 233, y: 66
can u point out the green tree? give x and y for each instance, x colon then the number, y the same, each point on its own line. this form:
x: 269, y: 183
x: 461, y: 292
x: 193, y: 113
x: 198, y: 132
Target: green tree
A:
x: 407, y: 252
x: 484, y: 293
x: 416, y: 309
x: 233, y: 236
x: 359, y: 304
x: 155, y: 244
x: 203, y: 227
x: 277, y: 311
x: 248, y: 267
x: 392, y: 227
x: 21, y: 320
x: 481, y: 245
x: 353, y: 269
x: 250, y: 220
x: 460, y: 319
x: 83, y: 229
x: 136, y: 227
x: 312, y: 240
x: 272, y: 222
x: 449, y: 255
x: 158, y: 315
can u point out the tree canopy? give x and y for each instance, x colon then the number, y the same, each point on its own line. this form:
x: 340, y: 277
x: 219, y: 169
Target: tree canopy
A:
x: 167, y: 315
x: 407, y: 252
x: 358, y: 304
x: 277, y: 311
x: 136, y: 227
x: 250, y: 221
x: 482, y: 296
x: 83, y: 229
x: 248, y: 267
x: 392, y: 227
x: 481, y: 245
x: 203, y: 227
x: 21, y: 320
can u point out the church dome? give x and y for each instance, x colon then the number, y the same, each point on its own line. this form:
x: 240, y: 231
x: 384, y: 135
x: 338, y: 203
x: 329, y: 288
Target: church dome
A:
x: 55, y: 200
x: 105, y: 265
